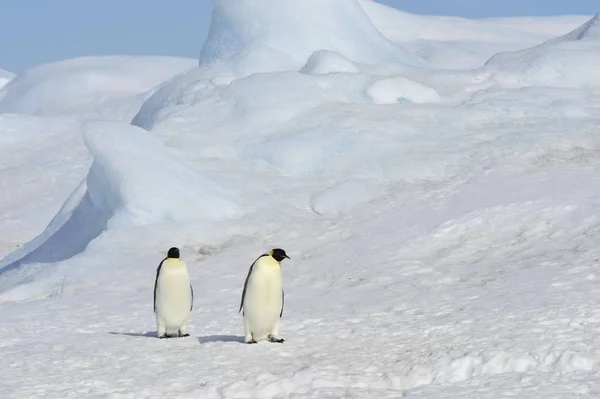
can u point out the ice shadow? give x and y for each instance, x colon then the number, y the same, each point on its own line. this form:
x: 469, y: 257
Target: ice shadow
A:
x: 149, y: 334
x: 220, y: 338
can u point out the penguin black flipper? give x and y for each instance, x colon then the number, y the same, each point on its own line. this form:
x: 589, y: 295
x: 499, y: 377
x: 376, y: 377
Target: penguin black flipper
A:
x: 192, y: 304
x: 245, y: 285
x: 246, y: 282
x: 282, y: 302
x: 156, y: 281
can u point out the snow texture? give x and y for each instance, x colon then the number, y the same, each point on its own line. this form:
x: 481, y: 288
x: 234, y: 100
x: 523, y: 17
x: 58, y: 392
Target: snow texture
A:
x: 442, y: 221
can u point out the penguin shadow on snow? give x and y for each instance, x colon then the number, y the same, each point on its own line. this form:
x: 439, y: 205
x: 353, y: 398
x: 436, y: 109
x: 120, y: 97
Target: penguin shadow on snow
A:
x: 201, y: 340
x: 221, y: 338
x: 149, y: 334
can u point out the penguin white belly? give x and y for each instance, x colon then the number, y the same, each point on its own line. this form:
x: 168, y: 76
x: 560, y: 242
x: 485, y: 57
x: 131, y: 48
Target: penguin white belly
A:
x: 263, y: 300
x: 173, y: 300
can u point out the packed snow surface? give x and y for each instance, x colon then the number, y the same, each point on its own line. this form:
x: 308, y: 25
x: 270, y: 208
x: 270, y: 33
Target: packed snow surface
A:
x: 442, y: 220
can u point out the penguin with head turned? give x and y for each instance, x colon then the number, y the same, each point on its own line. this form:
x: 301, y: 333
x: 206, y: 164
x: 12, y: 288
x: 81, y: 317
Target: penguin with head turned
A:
x: 173, y: 296
x: 263, y: 298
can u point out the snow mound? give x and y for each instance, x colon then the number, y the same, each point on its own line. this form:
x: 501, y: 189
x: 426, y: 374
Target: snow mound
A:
x: 271, y: 35
x: 571, y: 60
x: 83, y: 84
x: 398, y: 89
x: 323, y: 62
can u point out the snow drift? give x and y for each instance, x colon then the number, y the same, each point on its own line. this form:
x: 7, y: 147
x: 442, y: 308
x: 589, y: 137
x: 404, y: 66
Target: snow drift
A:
x: 571, y: 60
x: 86, y: 83
x: 270, y: 35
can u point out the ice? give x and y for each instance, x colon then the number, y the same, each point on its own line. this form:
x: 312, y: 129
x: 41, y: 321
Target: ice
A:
x: 442, y: 220
x: 80, y: 84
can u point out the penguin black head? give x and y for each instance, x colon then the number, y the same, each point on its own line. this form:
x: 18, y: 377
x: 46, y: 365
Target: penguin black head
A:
x: 278, y: 254
x: 173, y: 253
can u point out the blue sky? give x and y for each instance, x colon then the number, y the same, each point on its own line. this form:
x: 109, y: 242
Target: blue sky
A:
x: 34, y: 32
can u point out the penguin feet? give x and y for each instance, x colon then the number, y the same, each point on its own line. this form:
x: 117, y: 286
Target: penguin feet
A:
x: 276, y: 340
x: 251, y: 342
x: 167, y: 336
x: 184, y: 335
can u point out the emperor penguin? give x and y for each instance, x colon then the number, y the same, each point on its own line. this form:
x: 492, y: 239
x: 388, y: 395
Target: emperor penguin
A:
x: 173, y: 296
x: 263, y: 298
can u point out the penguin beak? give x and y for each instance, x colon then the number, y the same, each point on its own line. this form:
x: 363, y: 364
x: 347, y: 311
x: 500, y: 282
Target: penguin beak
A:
x: 285, y: 256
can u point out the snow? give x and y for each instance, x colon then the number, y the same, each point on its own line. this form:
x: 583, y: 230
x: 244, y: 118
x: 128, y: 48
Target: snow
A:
x: 442, y: 222
x: 80, y: 84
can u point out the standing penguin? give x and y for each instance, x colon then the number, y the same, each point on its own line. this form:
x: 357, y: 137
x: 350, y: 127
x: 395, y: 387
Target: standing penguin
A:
x: 263, y: 298
x: 173, y: 296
